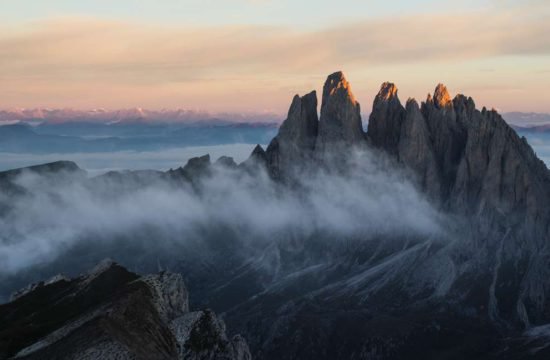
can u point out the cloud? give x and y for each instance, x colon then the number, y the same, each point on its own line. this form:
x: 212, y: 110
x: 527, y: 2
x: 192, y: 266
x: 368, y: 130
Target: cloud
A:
x: 57, y: 214
x: 97, y: 163
x: 75, y: 62
x: 86, y: 48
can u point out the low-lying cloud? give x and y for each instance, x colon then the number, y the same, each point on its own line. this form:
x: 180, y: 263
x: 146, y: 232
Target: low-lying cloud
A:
x: 56, y: 215
x: 97, y: 163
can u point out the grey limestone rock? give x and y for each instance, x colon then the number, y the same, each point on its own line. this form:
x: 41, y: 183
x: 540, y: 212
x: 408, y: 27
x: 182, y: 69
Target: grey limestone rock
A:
x: 295, y: 142
x: 340, y: 126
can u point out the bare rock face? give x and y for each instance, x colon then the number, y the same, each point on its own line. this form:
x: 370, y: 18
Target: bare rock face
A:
x: 195, y: 169
x: 340, y: 125
x: 442, y: 98
x: 202, y: 336
x: 257, y: 161
x: 111, y: 313
x: 170, y: 295
x: 472, y: 163
x: 226, y: 161
x: 473, y: 157
x: 295, y: 142
x: 447, y: 134
x: 386, y: 119
x: 414, y: 149
x: 196, y: 166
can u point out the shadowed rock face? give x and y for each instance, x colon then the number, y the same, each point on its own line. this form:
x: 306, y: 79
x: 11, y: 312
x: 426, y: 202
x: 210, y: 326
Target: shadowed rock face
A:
x: 340, y: 123
x: 472, y: 158
x: 111, y: 313
x: 472, y: 163
x: 256, y: 161
x: 295, y: 142
x: 414, y: 148
x: 304, y: 141
x: 386, y: 118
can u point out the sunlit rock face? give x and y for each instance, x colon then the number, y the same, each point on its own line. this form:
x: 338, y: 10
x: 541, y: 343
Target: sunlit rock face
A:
x: 340, y: 125
x: 442, y: 98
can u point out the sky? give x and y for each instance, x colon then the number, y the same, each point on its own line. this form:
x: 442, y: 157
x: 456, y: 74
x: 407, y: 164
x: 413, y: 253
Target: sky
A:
x: 254, y: 55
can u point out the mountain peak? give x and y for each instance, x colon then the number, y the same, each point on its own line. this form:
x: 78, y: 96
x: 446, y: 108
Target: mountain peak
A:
x: 258, y: 151
x: 296, y: 138
x: 386, y: 118
x: 337, y: 85
x: 340, y: 122
x: 387, y: 91
x: 442, y: 99
x: 411, y: 102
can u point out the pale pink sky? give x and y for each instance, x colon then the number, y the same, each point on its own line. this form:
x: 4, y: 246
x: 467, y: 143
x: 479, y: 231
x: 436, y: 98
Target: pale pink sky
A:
x: 87, y: 57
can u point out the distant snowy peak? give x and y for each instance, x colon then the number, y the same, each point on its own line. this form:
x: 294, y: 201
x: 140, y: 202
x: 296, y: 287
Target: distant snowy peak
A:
x: 527, y: 119
x: 9, y: 116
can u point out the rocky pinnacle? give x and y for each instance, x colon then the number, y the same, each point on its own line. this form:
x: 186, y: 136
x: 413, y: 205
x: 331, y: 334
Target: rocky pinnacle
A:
x: 340, y: 124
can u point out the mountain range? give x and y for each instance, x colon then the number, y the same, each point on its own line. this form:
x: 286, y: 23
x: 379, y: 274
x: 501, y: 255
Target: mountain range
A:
x: 86, y: 137
x: 425, y: 237
x: 134, y: 115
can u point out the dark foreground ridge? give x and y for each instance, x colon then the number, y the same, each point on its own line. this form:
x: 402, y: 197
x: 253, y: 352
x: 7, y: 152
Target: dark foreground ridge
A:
x: 111, y: 313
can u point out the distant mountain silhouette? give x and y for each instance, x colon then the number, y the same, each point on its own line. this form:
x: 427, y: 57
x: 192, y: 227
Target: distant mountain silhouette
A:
x: 82, y: 137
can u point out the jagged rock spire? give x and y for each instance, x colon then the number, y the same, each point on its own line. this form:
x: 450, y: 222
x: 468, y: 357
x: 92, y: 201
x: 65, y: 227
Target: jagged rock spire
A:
x: 295, y: 141
x: 256, y: 159
x: 302, y: 123
x: 415, y: 149
x: 387, y: 92
x: 442, y: 99
x: 386, y: 118
x: 258, y: 154
x: 340, y: 123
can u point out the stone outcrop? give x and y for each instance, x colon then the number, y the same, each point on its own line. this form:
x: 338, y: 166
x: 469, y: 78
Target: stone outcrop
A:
x: 414, y: 149
x: 466, y: 158
x: 473, y: 164
x: 257, y: 160
x: 111, y: 313
x: 305, y: 139
x: 227, y: 162
x: 386, y: 119
x: 340, y: 124
x: 193, y: 172
x: 295, y: 142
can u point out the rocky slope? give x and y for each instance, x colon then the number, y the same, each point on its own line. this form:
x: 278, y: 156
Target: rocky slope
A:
x: 111, y: 313
x: 474, y: 167
x: 473, y: 164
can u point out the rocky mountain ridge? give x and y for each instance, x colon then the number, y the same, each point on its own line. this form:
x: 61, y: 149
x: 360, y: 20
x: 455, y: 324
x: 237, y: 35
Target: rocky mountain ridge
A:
x: 470, y: 162
x: 113, y: 117
x: 111, y: 313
